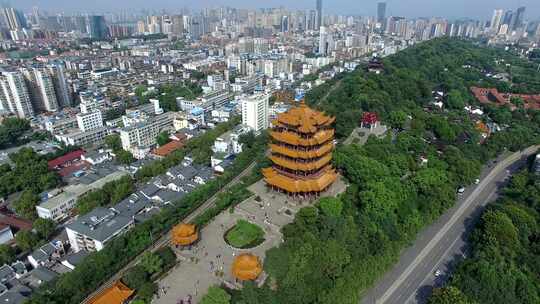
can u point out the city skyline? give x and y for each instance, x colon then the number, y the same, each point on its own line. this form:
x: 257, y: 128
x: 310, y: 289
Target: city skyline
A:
x: 481, y: 9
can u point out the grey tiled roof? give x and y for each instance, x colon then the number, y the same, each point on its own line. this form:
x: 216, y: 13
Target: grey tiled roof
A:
x: 6, y: 273
x: 100, y: 224
x: 12, y: 297
x: 76, y: 258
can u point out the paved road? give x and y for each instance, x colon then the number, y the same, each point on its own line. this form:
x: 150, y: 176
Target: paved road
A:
x: 443, y: 243
x: 165, y: 239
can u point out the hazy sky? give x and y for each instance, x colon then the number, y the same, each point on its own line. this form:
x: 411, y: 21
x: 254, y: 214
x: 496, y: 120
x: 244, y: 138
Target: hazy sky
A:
x: 408, y: 8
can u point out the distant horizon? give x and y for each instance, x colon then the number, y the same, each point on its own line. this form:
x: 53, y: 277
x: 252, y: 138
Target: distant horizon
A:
x: 457, y: 9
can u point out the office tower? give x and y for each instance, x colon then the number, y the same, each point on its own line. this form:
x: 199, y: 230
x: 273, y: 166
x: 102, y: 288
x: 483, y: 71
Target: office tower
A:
x: 496, y: 20
x: 518, y: 18
x: 325, y: 41
x: 14, y: 19
x: 284, y: 24
x: 319, y: 15
x: 17, y: 99
x: 507, y: 19
x: 141, y: 27
x: 35, y: 15
x: 381, y: 12
x: 96, y: 27
x: 61, y: 87
x: 177, y: 25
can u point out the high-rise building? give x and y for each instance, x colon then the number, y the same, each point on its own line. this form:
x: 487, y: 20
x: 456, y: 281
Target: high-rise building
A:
x: 15, y: 93
x: 518, y: 18
x: 255, y: 112
x: 325, y: 41
x: 496, y: 20
x: 507, y: 18
x: 177, y: 25
x: 96, y: 27
x: 284, y: 24
x: 319, y: 15
x: 45, y: 99
x: 14, y: 19
x: 381, y: 12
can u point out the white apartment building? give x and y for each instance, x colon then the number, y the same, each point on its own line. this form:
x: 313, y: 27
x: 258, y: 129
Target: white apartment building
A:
x: 92, y: 231
x: 15, y: 96
x: 90, y: 120
x: 79, y: 138
x: 144, y: 134
x: 255, y: 111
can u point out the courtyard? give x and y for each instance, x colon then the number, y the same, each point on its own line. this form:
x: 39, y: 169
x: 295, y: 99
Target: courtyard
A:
x: 209, y: 262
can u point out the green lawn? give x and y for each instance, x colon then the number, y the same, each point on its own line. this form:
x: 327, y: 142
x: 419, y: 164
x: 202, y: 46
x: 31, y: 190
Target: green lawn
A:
x: 244, y: 235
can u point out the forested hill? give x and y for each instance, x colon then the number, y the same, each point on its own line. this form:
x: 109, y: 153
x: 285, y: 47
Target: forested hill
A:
x: 336, y: 250
x: 410, y: 75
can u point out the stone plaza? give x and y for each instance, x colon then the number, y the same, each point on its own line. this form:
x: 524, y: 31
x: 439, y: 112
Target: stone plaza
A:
x: 209, y: 262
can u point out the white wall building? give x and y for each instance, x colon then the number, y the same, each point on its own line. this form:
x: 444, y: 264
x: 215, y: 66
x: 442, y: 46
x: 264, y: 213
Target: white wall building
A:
x: 255, y: 111
x: 15, y: 97
x: 90, y: 120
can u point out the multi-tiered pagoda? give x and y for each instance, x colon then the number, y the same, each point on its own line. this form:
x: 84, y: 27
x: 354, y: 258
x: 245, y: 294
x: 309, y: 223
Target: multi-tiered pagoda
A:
x: 302, y: 145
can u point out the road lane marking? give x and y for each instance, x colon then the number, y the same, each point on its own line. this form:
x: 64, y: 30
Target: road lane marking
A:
x: 457, y: 214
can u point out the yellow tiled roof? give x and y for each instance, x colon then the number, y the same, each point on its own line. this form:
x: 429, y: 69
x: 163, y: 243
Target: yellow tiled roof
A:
x: 291, y: 185
x: 326, y: 148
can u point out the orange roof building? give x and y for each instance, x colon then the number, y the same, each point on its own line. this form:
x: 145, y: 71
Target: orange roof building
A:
x: 246, y: 267
x: 184, y: 234
x: 301, y: 152
x: 119, y: 293
x: 168, y: 148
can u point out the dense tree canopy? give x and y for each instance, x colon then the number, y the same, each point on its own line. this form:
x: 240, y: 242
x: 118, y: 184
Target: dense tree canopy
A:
x: 398, y: 183
x: 29, y: 172
x: 504, y: 262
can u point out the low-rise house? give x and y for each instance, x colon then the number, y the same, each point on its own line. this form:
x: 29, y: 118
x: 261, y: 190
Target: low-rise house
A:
x: 97, y: 157
x: 59, y: 207
x: 39, y: 276
x: 46, y: 254
x: 72, y: 260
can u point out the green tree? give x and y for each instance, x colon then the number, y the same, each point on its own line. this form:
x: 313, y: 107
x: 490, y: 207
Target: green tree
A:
x: 7, y: 254
x: 44, y: 227
x: 397, y: 119
x: 167, y: 255
x: 26, y: 240
x: 136, y: 277
x: 125, y: 157
x: 216, y: 295
x: 448, y: 295
x: 146, y: 291
x: 455, y: 100
x: 517, y: 101
x: 140, y: 91
x: 331, y: 206
x: 26, y: 204
x: 151, y: 262
x: 113, y: 142
x: 163, y: 138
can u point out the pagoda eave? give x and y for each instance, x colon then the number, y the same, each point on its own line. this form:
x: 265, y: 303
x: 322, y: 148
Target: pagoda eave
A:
x: 297, y: 186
